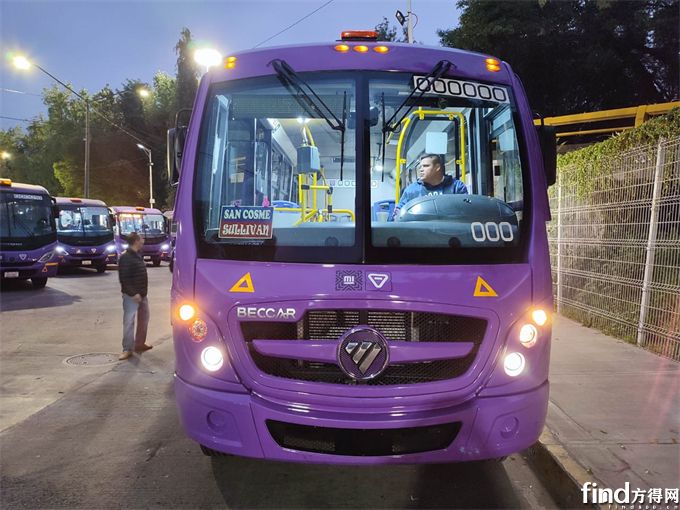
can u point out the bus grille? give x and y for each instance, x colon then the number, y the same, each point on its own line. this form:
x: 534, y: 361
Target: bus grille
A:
x: 363, y: 442
x: 398, y: 326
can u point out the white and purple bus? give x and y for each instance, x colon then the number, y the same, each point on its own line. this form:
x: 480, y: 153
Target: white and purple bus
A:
x: 28, y: 237
x: 85, y: 234
x: 148, y: 223
x: 311, y: 321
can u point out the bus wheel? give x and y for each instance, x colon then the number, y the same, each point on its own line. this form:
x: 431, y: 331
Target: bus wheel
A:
x: 39, y: 283
x: 101, y: 268
x: 209, y: 452
x: 156, y: 261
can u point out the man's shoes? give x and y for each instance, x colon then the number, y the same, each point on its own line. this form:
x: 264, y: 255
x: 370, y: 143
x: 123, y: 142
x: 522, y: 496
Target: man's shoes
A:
x: 125, y: 355
x: 143, y: 348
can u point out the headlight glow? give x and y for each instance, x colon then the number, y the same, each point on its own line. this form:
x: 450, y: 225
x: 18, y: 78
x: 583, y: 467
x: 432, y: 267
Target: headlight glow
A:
x: 61, y: 250
x: 212, y: 359
x: 125, y: 246
x: 165, y: 247
x: 514, y: 364
x: 539, y: 317
x: 528, y: 335
x: 186, y: 312
x: 111, y: 248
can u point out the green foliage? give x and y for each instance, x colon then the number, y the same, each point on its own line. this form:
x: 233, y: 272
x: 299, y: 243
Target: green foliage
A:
x: 387, y: 32
x: 187, y: 71
x: 596, y: 159
x: 578, y: 55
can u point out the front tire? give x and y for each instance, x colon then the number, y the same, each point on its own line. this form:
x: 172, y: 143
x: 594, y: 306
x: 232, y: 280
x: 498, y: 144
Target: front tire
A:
x: 156, y: 261
x: 39, y: 283
x: 101, y: 268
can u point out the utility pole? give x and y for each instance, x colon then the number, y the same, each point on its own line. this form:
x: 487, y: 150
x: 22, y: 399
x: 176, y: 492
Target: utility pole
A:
x: 86, y: 184
x: 148, y: 153
x: 409, y: 25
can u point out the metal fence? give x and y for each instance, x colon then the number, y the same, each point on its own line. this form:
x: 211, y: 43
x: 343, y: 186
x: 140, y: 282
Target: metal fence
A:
x: 615, y: 245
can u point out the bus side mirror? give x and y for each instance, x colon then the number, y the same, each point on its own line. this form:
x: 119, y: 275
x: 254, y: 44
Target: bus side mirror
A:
x: 548, y: 142
x: 175, y: 147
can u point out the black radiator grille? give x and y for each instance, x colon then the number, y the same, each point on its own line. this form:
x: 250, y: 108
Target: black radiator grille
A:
x: 363, y: 442
x: 398, y: 326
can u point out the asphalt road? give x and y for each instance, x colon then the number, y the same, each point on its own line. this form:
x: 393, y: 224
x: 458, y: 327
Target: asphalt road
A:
x: 106, y: 435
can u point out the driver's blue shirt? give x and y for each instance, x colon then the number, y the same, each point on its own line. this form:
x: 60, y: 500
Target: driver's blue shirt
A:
x: 449, y: 186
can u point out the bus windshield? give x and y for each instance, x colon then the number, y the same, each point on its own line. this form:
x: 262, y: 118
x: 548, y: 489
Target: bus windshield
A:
x: 143, y: 224
x: 277, y: 177
x: 84, y: 221
x: 25, y: 216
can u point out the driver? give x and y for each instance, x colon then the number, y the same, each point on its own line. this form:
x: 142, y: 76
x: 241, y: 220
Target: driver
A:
x: 433, y: 181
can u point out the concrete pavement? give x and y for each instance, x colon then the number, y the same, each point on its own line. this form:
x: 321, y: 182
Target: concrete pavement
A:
x: 614, y: 410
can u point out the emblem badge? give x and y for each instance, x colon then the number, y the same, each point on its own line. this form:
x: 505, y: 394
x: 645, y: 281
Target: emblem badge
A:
x: 363, y: 353
x: 22, y: 256
x: 94, y: 250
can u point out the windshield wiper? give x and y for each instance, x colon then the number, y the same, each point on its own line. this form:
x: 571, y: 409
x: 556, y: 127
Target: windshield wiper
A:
x: 439, y: 70
x: 311, y: 101
x: 20, y: 222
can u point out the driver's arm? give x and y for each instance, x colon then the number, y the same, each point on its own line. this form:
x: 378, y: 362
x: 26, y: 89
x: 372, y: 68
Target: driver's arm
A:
x: 406, y: 196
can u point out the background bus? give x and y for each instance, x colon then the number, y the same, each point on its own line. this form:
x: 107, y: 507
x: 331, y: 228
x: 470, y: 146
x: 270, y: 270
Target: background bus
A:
x: 147, y: 222
x: 307, y: 325
x: 27, y: 233
x: 85, y: 234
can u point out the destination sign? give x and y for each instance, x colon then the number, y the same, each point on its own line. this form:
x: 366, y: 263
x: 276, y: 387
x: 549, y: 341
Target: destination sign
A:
x: 458, y: 88
x: 246, y: 222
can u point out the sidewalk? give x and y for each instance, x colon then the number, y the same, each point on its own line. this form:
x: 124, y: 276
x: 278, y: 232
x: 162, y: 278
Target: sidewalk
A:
x: 614, y: 408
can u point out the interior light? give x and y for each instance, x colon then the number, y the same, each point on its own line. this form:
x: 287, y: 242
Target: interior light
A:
x: 186, y: 312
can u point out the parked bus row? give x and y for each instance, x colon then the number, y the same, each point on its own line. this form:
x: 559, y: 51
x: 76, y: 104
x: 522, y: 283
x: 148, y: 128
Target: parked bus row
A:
x: 40, y: 234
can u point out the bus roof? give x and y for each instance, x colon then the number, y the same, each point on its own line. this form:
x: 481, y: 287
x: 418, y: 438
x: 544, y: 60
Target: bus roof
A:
x: 131, y: 209
x: 324, y: 57
x: 8, y: 185
x: 80, y: 201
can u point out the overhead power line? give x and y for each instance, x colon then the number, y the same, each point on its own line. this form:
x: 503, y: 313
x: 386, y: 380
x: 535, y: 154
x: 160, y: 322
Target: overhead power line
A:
x: 291, y: 26
x: 21, y: 92
x: 14, y: 118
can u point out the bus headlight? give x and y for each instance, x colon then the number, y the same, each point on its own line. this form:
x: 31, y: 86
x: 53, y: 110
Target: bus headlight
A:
x: 111, y: 248
x: 528, y: 335
x: 212, y: 359
x: 186, y: 312
x: 125, y: 246
x: 47, y: 256
x: 514, y: 364
x: 198, y: 330
x: 539, y: 317
x: 165, y: 247
x: 60, y: 250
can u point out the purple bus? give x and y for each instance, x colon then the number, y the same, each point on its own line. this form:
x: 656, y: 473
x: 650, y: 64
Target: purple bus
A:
x: 147, y: 222
x: 27, y: 233
x: 85, y: 234
x: 317, y: 316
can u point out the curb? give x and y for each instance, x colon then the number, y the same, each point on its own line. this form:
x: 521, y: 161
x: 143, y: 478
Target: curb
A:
x: 559, y: 472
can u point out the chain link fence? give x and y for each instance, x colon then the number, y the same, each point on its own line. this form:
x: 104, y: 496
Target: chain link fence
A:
x: 615, y: 245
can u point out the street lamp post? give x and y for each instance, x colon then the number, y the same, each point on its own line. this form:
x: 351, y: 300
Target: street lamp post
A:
x: 148, y: 153
x: 24, y: 64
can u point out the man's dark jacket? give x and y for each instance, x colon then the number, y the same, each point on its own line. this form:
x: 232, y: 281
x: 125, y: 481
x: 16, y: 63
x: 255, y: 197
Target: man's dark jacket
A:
x: 132, y: 274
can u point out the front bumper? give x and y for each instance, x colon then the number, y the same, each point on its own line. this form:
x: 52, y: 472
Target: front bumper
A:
x: 236, y: 423
x: 93, y: 260
x: 37, y: 270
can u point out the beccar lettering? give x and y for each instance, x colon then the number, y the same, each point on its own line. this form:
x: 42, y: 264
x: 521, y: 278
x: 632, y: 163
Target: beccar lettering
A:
x: 458, y: 88
x: 253, y: 312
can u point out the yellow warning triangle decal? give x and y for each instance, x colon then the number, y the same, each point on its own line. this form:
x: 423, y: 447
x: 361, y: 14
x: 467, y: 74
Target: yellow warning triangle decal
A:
x: 245, y: 284
x: 483, y: 289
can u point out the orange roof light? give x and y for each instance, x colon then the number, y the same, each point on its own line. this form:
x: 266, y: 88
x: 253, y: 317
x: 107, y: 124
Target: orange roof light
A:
x: 76, y: 201
x: 230, y: 62
x: 381, y: 49
x: 342, y: 48
x: 493, y: 65
x: 359, y: 35
x: 5, y: 182
x: 361, y: 48
x: 139, y: 208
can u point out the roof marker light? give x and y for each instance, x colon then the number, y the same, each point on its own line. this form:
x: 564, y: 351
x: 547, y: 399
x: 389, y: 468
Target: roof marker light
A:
x: 230, y: 62
x: 381, y: 49
x: 359, y: 35
x: 342, y: 48
x: 5, y: 182
x: 493, y: 65
x: 361, y: 48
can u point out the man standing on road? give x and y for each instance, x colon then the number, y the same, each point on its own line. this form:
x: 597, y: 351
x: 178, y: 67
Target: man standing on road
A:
x: 134, y: 285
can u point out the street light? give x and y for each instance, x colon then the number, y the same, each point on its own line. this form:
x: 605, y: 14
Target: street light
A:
x: 21, y: 62
x: 148, y: 153
x: 5, y: 155
x: 208, y: 57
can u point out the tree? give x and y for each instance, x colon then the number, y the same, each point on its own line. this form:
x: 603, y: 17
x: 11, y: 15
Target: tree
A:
x: 578, y: 55
x: 387, y: 32
x: 187, y: 71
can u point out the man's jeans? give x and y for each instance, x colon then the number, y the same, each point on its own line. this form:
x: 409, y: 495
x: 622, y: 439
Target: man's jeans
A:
x: 130, y: 309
